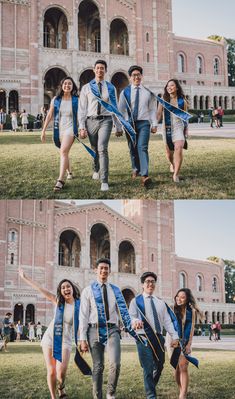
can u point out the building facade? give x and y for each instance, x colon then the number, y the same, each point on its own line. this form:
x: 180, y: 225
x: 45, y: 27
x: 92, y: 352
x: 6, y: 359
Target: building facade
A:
x: 52, y: 240
x: 52, y: 39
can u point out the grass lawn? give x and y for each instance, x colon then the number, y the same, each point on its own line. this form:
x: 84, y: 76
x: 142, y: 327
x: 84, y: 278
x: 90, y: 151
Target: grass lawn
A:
x: 28, y: 169
x: 23, y: 376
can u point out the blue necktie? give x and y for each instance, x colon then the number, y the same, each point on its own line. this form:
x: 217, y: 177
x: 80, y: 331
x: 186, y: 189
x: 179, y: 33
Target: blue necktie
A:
x: 155, y: 316
x: 136, y: 105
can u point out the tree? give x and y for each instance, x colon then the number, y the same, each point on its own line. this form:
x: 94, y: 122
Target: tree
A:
x: 229, y: 279
x: 231, y: 61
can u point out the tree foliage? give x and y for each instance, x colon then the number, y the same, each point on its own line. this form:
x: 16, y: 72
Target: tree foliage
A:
x: 229, y: 279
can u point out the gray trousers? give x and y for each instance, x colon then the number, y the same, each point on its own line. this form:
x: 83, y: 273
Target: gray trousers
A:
x: 97, y: 354
x: 99, y: 132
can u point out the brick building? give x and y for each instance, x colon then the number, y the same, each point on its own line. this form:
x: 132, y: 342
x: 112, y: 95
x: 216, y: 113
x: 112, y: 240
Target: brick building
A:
x: 48, y: 40
x: 52, y: 240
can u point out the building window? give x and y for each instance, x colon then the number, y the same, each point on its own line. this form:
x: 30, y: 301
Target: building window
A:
x: 69, y: 249
x: 12, y: 259
x: 126, y: 257
x: 152, y: 258
x: 148, y: 57
x: 199, y: 283
x: 147, y: 37
x: 13, y: 236
x: 181, y: 63
x: 40, y: 206
x: 199, y: 65
x: 216, y: 66
x: 214, y: 284
x: 182, y: 280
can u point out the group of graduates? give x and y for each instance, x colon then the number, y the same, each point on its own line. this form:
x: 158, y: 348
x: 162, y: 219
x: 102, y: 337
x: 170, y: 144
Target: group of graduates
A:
x: 97, y: 111
x: 95, y: 321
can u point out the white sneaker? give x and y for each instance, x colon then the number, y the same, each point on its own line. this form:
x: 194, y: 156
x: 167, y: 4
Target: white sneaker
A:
x: 96, y: 176
x: 104, y: 187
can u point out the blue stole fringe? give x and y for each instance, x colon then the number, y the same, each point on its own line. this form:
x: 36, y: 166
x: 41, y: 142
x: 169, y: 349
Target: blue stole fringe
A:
x: 168, y: 127
x: 112, y: 107
x: 58, y: 337
x: 184, y: 335
x: 121, y: 304
x: 57, y: 104
x: 156, y: 341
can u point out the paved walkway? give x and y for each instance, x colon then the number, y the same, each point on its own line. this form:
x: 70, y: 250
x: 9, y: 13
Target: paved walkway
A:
x: 226, y: 343
x: 204, y: 129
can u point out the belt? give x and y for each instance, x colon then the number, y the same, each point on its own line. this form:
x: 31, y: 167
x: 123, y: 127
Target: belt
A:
x: 99, y: 117
x: 109, y: 325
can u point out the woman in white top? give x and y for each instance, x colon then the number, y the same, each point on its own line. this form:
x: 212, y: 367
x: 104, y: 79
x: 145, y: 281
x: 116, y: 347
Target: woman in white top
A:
x: 14, y: 123
x: 31, y: 332
x: 175, y: 130
x: 64, y: 110
x: 24, y: 119
x: 67, y: 293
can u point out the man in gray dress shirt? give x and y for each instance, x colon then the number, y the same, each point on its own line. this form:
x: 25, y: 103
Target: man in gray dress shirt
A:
x: 89, y: 333
x: 96, y: 122
x: 154, y: 310
x: 139, y: 107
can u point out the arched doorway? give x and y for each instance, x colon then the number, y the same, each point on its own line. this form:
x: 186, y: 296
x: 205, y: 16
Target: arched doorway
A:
x: 126, y: 257
x: 30, y: 314
x: 52, y: 80
x: 3, y: 102
x: 55, y: 29
x: 120, y: 81
x: 128, y: 296
x: 69, y: 249
x: 13, y: 101
x: 99, y: 243
x: 19, y: 313
x: 207, y: 102
x: 89, y: 27
x: 119, y: 43
x: 195, y: 102
x: 86, y: 76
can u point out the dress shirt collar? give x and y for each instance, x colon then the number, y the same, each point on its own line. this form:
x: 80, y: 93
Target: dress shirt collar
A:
x: 99, y: 282
x: 135, y: 87
x: 100, y: 81
x: 147, y: 295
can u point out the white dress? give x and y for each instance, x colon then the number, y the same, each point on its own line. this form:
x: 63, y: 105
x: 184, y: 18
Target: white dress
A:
x: 24, y: 118
x: 65, y: 118
x: 177, y: 128
x: 31, y: 332
x: 47, y: 339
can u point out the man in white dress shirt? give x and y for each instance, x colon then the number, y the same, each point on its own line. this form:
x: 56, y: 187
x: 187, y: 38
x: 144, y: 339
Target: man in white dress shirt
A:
x: 96, y: 122
x: 89, y: 333
x: 139, y: 106
x: 149, y: 315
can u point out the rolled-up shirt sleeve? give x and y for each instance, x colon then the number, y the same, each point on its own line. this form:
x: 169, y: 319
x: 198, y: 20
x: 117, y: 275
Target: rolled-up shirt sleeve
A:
x: 133, y: 312
x: 168, y: 325
x: 153, y: 111
x: 84, y: 314
x: 82, y: 109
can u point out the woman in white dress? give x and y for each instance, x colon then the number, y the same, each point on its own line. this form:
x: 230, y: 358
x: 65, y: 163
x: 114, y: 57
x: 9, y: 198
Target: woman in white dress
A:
x: 175, y: 130
x: 14, y: 123
x: 64, y: 110
x: 24, y: 119
x: 31, y: 332
x: 67, y: 293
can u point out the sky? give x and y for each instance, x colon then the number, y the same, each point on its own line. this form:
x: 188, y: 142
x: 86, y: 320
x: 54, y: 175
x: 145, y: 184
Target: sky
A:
x: 202, y: 228
x: 202, y: 18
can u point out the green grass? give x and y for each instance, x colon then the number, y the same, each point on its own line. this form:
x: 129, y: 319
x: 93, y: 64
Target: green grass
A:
x: 28, y: 169
x: 23, y: 376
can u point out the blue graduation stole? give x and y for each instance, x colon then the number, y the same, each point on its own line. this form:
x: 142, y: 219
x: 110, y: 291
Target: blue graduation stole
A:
x: 156, y: 341
x: 127, y: 95
x: 184, y: 335
x: 112, y: 107
x: 168, y: 127
x: 123, y: 311
x: 56, y: 132
x: 58, y: 337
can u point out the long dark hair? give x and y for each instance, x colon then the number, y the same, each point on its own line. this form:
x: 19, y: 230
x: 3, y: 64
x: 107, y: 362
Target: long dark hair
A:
x: 190, y: 301
x: 60, y: 298
x: 180, y: 92
x: 60, y: 91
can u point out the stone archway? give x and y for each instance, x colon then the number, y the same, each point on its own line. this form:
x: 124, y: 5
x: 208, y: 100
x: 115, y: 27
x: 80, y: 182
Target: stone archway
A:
x: 55, y: 29
x: 69, y: 249
x: 85, y: 77
x: 126, y: 257
x: 119, y: 42
x: 30, y: 313
x: 19, y: 313
x: 128, y: 295
x: 52, y: 81
x: 3, y: 101
x: 120, y: 81
x: 89, y: 27
x: 99, y: 243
